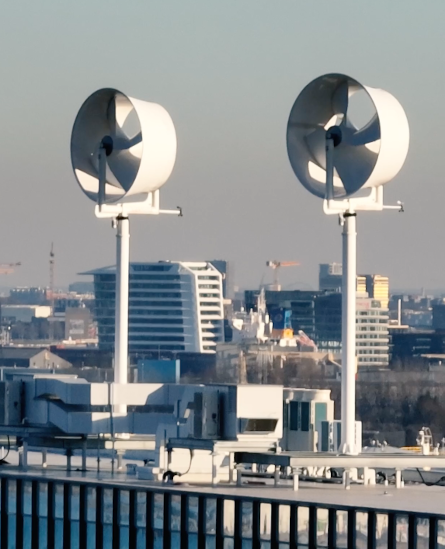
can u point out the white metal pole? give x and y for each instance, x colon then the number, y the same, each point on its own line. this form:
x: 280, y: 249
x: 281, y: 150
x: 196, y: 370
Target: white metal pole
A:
x: 329, y: 168
x: 102, y: 176
x: 122, y: 284
x: 349, y: 285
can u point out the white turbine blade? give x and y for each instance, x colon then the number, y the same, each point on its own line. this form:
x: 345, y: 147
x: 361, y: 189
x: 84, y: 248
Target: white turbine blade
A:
x: 340, y: 99
x: 89, y: 182
x: 123, y: 143
x: 118, y: 112
x: 303, y: 125
x: 354, y: 165
x: 316, y: 144
x: 319, y: 174
x: 124, y: 167
x: 136, y: 150
x: 368, y: 134
x: 111, y: 179
x: 332, y: 121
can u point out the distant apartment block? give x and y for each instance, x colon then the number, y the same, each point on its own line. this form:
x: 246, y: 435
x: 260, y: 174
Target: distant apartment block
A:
x: 330, y: 277
x: 173, y: 306
x: 438, y: 316
x: 27, y: 296
x: 372, y: 335
x: 319, y: 315
x: 376, y: 286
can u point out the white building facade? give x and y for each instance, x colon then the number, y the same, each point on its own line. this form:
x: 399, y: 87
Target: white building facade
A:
x: 173, y: 306
x: 372, y: 335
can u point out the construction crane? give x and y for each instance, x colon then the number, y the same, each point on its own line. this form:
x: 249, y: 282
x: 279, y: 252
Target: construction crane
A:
x: 8, y: 268
x: 276, y: 265
x: 50, y: 295
x: 51, y: 275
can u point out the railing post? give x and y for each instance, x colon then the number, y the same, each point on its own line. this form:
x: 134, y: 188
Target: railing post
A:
x: 99, y: 516
x: 4, y: 522
x: 19, y: 514
x: 293, y: 527
x: 372, y: 524
x: 149, y: 531
x: 67, y: 515
x: 184, y: 522
x: 167, y: 535
x: 274, y: 526
x: 201, y: 522
x: 332, y: 528
x: 35, y: 510
x: 433, y: 533
x: 219, y: 523
x: 83, y: 524
x: 392, y: 522
x: 132, y: 519
x: 412, y: 532
x: 238, y: 540
x: 312, y: 541
x: 256, y: 514
x: 352, y: 530
x: 116, y: 519
x: 51, y: 521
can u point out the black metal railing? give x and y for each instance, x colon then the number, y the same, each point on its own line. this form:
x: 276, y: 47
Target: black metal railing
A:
x: 38, y: 512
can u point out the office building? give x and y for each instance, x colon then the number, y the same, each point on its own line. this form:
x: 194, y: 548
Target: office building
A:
x: 328, y: 322
x: 377, y: 287
x: 330, y: 277
x: 226, y: 270
x: 319, y: 315
x: 27, y: 296
x: 78, y: 323
x: 361, y: 284
x: 372, y: 336
x: 372, y: 340
x: 173, y: 306
x: 438, y: 321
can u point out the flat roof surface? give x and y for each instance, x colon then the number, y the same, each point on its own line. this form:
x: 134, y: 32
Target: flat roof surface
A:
x: 417, y: 498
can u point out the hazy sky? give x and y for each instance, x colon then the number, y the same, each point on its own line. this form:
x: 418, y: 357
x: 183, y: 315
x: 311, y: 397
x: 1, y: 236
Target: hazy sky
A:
x: 228, y: 71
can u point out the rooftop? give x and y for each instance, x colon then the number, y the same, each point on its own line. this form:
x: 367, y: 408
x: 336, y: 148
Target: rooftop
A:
x: 413, y: 498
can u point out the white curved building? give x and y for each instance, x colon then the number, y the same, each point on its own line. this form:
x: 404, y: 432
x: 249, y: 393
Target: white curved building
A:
x: 173, y: 306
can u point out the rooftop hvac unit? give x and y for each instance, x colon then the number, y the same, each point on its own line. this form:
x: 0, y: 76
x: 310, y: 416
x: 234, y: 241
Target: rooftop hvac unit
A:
x: 206, y: 415
x: 330, y: 440
x: 10, y: 403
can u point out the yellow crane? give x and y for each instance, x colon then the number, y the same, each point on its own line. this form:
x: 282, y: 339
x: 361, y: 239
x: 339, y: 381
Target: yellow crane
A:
x: 8, y: 268
x: 276, y: 265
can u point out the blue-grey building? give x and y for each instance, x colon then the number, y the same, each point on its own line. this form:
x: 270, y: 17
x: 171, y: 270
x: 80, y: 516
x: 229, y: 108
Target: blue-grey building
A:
x: 173, y: 306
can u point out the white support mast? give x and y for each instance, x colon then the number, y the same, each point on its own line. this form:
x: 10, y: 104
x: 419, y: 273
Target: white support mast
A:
x: 122, y: 286
x: 347, y: 164
x: 349, y: 360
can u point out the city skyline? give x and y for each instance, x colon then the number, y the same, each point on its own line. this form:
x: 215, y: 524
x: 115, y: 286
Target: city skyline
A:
x: 228, y: 74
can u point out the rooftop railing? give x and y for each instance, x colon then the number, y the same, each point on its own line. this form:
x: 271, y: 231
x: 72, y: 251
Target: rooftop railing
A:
x: 42, y: 513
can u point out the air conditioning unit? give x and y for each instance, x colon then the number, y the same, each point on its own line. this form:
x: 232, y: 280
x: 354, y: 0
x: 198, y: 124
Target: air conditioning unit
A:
x: 206, y: 412
x: 10, y: 402
x: 330, y: 439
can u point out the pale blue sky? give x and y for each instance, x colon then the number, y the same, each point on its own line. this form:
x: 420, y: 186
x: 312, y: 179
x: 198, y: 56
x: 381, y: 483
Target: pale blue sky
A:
x: 228, y: 72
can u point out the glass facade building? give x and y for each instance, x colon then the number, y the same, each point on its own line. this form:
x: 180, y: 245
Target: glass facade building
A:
x: 173, y: 306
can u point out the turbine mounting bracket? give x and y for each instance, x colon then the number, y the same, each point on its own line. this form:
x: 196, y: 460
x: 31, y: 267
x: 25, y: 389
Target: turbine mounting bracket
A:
x: 149, y: 206
x: 372, y: 202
